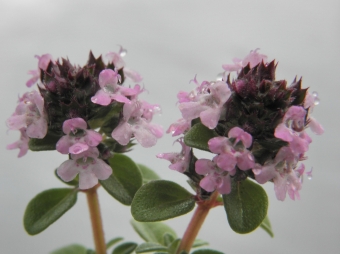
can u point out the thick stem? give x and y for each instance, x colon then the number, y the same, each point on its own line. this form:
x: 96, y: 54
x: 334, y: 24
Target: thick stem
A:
x: 196, y: 222
x: 96, y: 220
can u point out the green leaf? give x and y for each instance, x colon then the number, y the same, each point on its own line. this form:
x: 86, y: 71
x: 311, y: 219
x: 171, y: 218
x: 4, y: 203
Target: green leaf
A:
x: 125, y: 180
x: 161, y: 200
x: 206, y: 251
x: 267, y: 226
x: 74, y: 182
x: 45, y: 144
x: 125, y: 248
x: 47, y: 207
x: 147, y: 174
x: 90, y: 251
x: 148, y: 247
x: 199, y: 243
x: 113, y: 242
x: 71, y: 249
x: 153, y: 231
x: 168, y: 239
x: 198, y: 137
x: 174, y: 246
x: 246, y: 206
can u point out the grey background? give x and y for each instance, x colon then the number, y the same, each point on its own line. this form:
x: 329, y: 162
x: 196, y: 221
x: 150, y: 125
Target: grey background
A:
x: 169, y: 42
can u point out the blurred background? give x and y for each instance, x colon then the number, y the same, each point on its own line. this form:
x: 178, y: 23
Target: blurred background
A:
x: 169, y: 42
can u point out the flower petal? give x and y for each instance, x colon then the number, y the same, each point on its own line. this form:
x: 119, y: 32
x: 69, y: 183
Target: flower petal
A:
x: 68, y: 170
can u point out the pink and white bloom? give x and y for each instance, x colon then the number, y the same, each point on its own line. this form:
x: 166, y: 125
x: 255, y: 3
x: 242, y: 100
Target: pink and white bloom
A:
x: 233, y: 154
x: 111, y: 90
x: 214, y: 176
x: 30, y: 115
x: 179, y: 127
x: 22, y: 143
x: 179, y: 161
x: 283, y: 171
x: 44, y: 60
x: 208, y: 103
x: 78, y: 138
x: 253, y: 59
x: 136, y: 123
x: 89, y: 167
x: 292, y: 129
x: 311, y: 100
x: 118, y: 62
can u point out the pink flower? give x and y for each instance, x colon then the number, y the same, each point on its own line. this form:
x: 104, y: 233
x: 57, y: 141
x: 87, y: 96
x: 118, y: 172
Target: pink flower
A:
x: 311, y: 100
x: 77, y: 139
x: 136, y: 122
x: 214, y: 177
x: 179, y: 161
x: 315, y: 126
x: 253, y: 59
x: 44, y: 60
x: 292, y: 129
x: 207, y: 104
x: 22, y: 143
x: 230, y: 153
x: 110, y: 90
x: 241, y: 135
x: 88, y: 166
x: 179, y: 127
x: 118, y: 62
x: 30, y: 115
x: 283, y: 171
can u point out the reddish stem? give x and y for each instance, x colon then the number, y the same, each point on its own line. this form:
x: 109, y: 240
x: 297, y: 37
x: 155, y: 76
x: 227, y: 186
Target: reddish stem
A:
x: 96, y: 220
x: 201, y: 212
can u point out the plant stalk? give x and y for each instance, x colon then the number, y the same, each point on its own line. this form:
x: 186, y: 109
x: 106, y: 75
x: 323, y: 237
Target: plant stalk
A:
x: 201, y: 212
x: 96, y: 220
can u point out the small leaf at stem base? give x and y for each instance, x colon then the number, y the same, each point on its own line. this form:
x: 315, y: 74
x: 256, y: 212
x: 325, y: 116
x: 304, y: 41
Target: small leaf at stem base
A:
x: 246, y: 206
x: 47, y: 207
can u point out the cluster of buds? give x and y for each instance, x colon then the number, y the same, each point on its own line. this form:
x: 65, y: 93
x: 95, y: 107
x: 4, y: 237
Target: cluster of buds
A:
x: 84, y: 112
x: 259, y: 128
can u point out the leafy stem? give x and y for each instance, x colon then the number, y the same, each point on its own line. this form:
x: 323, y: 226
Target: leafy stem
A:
x: 201, y: 212
x: 96, y: 220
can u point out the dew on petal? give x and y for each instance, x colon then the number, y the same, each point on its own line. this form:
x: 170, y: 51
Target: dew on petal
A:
x: 316, y: 101
x: 220, y: 76
x: 122, y: 51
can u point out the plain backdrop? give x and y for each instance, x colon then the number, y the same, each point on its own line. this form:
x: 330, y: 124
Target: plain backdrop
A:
x: 169, y: 42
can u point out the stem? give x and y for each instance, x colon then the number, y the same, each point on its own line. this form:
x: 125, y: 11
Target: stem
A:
x: 96, y: 220
x: 196, y: 222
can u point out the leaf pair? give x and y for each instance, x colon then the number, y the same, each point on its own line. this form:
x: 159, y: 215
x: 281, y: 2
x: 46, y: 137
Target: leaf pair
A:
x: 246, y: 206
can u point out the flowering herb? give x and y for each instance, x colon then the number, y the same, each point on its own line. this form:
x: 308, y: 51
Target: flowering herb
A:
x: 254, y: 126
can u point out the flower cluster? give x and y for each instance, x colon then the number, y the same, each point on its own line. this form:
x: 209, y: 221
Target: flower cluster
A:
x: 258, y: 126
x: 84, y: 112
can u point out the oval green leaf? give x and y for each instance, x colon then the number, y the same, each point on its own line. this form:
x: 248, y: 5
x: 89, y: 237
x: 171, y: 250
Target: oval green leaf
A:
x: 174, y: 246
x: 266, y: 226
x: 198, y: 137
x: 71, y: 249
x: 246, y: 206
x: 153, y: 231
x: 168, y: 239
x: 125, y: 248
x: 147, y: 174
x: 199, y: 243
x: 47, y: 207
x: 206, y: 251
x: 125, y: 180
x: 161, y: 200
x: 113, y: 242
x: 148, y: 247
